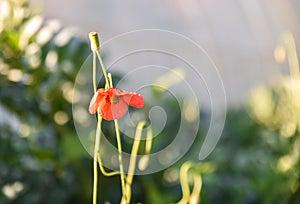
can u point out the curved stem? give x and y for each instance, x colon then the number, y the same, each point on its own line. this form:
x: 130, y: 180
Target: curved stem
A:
x: 105, y: 173
x: 184, y: 182
x: 197, y: 184
x: 132, y: 162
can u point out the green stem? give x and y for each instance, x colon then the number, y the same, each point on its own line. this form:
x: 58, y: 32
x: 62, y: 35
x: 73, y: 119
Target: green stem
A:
x: 132, y: 162
x: 148, y: 145
x: 119, y: 143
x: 185, y: 183
x: 110, y: 80
x: 95, y: 47
x: 120, y: 157
x: 103, y: 69
x: 97, y: 139
x: 197, y: 184
x: 105, y: 173
x: 144, y: 160
x: 96, y: 152
x: 94, y: 72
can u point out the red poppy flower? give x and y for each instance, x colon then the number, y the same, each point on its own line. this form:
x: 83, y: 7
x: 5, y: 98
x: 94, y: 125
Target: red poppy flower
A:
x: 112, y: 103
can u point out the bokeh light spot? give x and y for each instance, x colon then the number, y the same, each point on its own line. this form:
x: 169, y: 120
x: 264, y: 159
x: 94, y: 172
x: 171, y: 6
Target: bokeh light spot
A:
x: 61, y: 118
x: 15, y: 75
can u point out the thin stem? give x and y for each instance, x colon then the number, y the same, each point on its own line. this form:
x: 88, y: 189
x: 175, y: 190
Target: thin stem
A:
x: 103, y: 68
x: 97, y: 139
x: 96, y: 152
x: 119, y: 143
x: 95, y: 47
x: 132, y: 162
x: 197, y: 184
x: 105, y: 173
x: 110, y: 80
x: 120, y: 157
x: 148, y: 140
x: 94, y: 72
x: 144, y: 160
x: 184, y: 183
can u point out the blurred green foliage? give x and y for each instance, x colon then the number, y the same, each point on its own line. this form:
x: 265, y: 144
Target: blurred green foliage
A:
x: 40, y: 152
x: 277, y: 106
x: 42, y: 160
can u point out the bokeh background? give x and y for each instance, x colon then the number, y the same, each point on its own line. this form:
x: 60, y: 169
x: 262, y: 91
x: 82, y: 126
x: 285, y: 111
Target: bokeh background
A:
x: 254, y: 45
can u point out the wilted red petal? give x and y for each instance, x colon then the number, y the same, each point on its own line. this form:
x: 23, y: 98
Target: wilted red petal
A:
x: 134, y: 99
x: 94, y: 104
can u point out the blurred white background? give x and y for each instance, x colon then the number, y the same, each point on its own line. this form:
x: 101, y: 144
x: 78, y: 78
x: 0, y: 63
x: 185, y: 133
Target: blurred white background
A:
x: 240, y: 36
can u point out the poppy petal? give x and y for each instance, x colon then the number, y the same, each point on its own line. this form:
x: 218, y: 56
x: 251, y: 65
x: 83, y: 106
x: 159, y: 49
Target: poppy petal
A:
x: 105, y: 111
x: 133, y: 99
x: 110, y: 111
x: 113, y: 103
x: 95, y: 101
x: 119, y: 110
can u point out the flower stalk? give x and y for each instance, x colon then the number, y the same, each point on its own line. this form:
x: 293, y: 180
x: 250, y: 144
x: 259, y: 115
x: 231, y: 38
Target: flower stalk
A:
x: 132, y: 162
x: 95, y: 46
x: 96, y: 152
x: 118, y: 142
x: 104, y: 102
